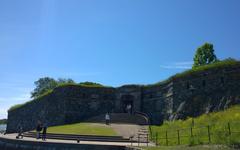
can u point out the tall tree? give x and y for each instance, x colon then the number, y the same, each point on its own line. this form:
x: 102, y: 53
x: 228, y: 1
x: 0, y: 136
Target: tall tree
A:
x: 46, y: 83
x: 65, y: 81
x: 43, y: 85
x: 204, y: 55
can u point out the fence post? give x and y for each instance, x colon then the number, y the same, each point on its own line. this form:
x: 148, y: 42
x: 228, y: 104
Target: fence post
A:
x: 166, y: 138
x: 209, y: 135
x: 138, y: 139
x: 191, y: 132
x: 178, y: 137
x: 229, y: 128
x: 156, y: 138
x: 147, y: 140
x: 131, y: 141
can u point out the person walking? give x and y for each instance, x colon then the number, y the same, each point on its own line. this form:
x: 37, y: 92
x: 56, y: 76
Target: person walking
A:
x: 38, y: 129
x: 20, y: 132
x: 44, y: 132
x: 129, y: 108
x: 107, y: 118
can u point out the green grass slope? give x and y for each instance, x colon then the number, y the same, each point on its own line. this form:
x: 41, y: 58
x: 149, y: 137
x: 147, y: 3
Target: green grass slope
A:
x: 216, y: 128
x: 198, y: 147
x: 83, y: 129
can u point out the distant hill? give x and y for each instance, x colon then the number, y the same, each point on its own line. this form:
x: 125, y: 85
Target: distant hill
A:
x: 3, y: 121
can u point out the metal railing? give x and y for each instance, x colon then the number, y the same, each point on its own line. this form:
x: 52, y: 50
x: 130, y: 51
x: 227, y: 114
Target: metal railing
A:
x: 217, y: 134
x: 147, y: 119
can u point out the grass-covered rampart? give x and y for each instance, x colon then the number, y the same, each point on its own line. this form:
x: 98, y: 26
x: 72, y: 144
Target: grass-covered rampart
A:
x: 218, y: 65
x: 59, y: 86
x: 214, y: 66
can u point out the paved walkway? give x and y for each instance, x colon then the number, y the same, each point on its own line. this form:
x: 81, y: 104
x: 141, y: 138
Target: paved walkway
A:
x: 13, y: 137
x: 124, y: 130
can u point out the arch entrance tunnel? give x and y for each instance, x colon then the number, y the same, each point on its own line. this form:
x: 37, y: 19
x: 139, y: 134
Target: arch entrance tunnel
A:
x: 127, y: 103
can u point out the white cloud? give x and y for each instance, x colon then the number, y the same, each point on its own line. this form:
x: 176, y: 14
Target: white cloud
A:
x: 178, y: 65
x: 7, y: 102
x: 184, y: 63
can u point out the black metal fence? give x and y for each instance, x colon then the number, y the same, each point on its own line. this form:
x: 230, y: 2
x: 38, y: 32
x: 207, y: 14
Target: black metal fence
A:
x: 218, y: 134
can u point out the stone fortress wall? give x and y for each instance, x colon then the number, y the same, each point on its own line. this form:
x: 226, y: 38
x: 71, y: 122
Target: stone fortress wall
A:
x: 177, y: 98
x: 64, y: 105
x: 193, y: 95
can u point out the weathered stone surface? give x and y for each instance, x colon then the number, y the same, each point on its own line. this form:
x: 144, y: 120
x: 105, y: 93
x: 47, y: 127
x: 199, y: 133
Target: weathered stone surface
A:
x: 190, y: 95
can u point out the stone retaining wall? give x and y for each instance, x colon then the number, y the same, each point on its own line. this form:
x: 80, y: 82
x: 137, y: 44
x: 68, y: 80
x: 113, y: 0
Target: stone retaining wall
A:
x: 10, y: 144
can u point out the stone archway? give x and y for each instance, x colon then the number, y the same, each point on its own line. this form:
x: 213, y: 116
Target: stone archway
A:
x: 127, y: 100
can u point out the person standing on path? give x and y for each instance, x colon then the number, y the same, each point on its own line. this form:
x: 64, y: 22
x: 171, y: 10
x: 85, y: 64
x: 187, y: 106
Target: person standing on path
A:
x: 44, y: 132
x: 20, y: 132
x: 38, y: 129
x: 107, y: 118
x: 129, y: 108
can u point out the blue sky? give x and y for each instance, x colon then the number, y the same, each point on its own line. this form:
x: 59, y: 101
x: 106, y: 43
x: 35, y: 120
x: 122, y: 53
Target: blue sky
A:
x: 113, y: 42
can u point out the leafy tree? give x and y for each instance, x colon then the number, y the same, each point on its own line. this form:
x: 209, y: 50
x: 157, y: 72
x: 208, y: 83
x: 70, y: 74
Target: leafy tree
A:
x: 45, y: 84
x: 65, y: 81
x: 3, y: 121
x: 204, y: 55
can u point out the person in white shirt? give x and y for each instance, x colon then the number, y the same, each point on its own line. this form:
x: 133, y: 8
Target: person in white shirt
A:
x: 107, y: 118
x: 129, y: 108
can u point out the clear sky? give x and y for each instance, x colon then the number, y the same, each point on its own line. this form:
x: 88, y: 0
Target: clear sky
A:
x: 113, y: 42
